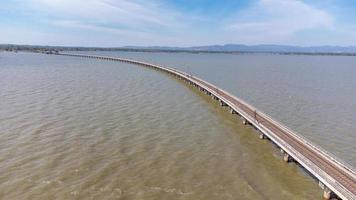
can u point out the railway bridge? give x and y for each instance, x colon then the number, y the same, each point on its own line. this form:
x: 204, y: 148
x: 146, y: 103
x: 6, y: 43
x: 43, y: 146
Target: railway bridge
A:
x: 336, y: 178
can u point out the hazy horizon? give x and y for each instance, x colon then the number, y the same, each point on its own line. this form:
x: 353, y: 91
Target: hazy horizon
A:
x: 172, y: 46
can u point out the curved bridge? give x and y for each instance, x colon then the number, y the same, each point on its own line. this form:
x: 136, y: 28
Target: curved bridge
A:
x: 335, y: 177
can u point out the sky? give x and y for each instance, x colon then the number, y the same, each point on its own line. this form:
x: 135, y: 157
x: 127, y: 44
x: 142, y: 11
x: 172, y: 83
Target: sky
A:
x: 115, y: 23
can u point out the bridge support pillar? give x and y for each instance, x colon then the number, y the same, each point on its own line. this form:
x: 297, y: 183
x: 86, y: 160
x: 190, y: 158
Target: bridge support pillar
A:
x: 327, y: 193
x: 232, y: 111
x: 287, y: 158
x: 244, y: 121
x: 262, y: 136
x: 222, y: 103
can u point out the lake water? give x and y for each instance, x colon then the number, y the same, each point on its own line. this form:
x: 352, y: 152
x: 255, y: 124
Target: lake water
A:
x: 74, y: 128
x: 313, y: 95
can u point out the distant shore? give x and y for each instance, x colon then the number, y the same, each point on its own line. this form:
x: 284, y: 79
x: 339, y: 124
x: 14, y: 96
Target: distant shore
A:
x: 54, y: 49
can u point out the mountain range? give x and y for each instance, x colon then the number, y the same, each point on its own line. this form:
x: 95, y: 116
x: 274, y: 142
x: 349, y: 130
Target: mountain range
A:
x: 255, y: 48
x: 227, y: 48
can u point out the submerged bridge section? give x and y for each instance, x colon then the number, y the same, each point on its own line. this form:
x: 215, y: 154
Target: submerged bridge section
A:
x: 337, y: 178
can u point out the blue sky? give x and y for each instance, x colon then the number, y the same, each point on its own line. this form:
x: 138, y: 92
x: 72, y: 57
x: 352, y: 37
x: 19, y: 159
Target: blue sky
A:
x: 177, y: 22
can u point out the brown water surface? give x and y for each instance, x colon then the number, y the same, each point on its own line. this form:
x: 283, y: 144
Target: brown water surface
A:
x: 74, y: 128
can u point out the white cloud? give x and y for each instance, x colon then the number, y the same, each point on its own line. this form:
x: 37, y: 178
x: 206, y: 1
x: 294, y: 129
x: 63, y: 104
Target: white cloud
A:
x: 124, y: 22
x: 156, y: 22
x: 96, y: 35
x: 120, y: 13
x: 102, y: 22
x: 277, y: 21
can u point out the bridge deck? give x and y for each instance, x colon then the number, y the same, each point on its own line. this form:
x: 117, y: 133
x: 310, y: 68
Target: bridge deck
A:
x: 333, y: 173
